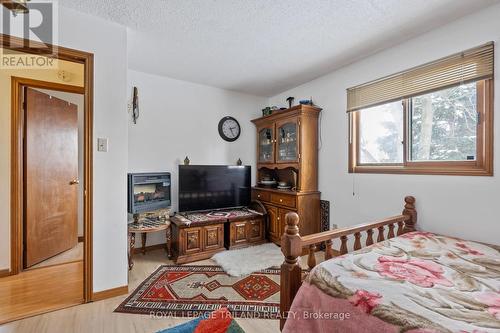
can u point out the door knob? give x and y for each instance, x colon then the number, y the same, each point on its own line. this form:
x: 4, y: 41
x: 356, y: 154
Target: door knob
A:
x: 75, y: 182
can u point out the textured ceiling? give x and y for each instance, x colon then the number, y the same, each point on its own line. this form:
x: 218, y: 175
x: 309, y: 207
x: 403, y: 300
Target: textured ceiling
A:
x: 264, y: 47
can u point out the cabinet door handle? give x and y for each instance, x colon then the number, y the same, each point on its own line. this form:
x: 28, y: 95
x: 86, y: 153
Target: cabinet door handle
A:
x: 281, y: 200
x: 258, y: 195
x: 278, y: 218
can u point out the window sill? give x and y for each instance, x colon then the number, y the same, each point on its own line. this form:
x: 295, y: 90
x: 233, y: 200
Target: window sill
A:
x: 415, y: 170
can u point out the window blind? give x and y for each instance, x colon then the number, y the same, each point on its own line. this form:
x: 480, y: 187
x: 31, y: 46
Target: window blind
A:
x: 463, y: 67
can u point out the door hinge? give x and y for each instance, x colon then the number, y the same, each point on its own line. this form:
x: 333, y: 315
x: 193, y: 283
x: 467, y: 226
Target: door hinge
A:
x: 299, y: 156
x: 478, y: 118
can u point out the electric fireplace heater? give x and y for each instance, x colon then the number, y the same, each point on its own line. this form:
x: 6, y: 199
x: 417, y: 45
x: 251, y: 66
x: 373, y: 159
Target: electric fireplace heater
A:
x: 148, y: 191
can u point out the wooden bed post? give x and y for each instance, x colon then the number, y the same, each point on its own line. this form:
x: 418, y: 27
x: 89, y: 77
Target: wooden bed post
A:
x: 291, y: 273
x: 411, y: 212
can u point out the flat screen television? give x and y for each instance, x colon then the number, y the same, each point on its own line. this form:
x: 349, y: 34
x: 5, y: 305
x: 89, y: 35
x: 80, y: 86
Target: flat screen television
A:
x: 205, y: 187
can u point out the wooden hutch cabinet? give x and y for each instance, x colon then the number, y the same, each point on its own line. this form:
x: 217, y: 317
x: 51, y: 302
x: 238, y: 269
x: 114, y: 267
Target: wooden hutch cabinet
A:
x: 287, y: 151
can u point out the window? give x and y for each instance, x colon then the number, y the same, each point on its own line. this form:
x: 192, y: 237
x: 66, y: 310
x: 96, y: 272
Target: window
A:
x: 444, y: 125
x: 432, y: 119
x: 381, y: 134
x: 447, y: 131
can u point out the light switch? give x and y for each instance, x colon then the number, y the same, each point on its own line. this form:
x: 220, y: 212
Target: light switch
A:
x: 102, y: 144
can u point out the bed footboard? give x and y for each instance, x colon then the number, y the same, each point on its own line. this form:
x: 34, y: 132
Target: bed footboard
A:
x: 292, y: 244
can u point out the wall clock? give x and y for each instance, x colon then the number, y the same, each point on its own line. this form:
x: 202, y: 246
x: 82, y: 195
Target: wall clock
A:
x: 229, y: 129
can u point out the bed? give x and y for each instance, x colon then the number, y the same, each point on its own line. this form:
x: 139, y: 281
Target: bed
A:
x: 402, y: 281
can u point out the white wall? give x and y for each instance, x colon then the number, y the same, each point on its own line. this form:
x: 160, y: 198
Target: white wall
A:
x: 179, y: 118
x: 453, y: 205
x: 108, y: 42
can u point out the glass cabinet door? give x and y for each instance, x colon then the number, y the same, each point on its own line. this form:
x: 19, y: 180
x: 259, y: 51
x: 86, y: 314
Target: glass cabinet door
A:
x: 287, y: 148
x: 266, y: 145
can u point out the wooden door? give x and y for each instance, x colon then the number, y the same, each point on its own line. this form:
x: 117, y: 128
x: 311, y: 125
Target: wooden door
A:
x: 273, y: 227
x: 192, y: 239
x: 214, y: 237
x: 255, y: 230
x: 265, y: 144
x: 50, y: 176
x: 287, y: 140
x: 282, y: 220
x: 239, y: 232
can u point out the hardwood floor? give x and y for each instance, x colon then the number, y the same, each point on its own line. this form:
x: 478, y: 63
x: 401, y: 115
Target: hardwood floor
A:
x: 22, y: 295
x: 74, y: 254
x: 99, y: 316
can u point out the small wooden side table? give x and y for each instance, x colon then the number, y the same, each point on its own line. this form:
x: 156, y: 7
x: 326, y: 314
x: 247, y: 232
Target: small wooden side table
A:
x: 144, y: 227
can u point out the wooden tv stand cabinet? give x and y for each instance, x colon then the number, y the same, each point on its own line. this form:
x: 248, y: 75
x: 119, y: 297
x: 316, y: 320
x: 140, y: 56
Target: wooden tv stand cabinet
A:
x: 200, y: 235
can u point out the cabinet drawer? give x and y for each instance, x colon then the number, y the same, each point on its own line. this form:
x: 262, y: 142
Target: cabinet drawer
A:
x: 261, y: 195
x: 285, y: 200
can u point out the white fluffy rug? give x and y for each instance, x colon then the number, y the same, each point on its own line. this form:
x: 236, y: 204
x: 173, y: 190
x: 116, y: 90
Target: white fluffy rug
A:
x: 250, y: 259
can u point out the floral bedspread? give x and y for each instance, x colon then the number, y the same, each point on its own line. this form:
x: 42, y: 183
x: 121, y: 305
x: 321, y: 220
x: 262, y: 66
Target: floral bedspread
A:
x: 417, y: 282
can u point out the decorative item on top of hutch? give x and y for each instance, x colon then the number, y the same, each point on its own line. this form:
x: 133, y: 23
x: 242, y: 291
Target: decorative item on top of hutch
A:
x: 287, y: 168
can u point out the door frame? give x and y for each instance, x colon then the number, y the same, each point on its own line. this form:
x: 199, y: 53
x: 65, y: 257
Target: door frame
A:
x: 16, y: 205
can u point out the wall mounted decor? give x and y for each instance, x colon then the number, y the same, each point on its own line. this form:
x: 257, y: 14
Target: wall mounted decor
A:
x: 135, y: 106
x: 229, y: 129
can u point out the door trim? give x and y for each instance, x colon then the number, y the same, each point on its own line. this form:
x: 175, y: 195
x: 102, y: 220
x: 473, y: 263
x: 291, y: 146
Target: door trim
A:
x: 87, y: 59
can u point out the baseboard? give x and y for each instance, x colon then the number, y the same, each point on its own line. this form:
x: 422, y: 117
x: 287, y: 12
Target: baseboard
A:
x: 109, y: 293
x: 4, y: 272
x: 138, y: 250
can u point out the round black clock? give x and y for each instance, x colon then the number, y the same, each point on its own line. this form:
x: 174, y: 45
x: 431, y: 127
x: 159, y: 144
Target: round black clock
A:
x: 229, y: 129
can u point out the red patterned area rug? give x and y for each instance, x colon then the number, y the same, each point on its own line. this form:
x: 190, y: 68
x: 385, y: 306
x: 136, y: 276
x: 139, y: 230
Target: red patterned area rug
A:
x: 191, y: 291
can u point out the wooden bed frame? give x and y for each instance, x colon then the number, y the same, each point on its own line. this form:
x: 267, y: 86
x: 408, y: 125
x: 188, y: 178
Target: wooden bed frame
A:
x: 292, y: 244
